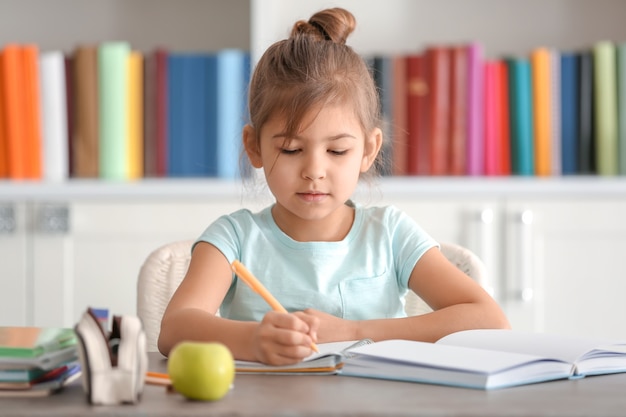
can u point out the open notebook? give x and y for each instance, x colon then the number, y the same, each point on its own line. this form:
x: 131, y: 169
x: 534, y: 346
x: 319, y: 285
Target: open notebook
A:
x: 328, y: 361
x: 488, y: 359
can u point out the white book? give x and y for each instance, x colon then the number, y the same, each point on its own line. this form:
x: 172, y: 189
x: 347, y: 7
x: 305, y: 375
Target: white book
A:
x: 55, y: 148
x: 487, y: 359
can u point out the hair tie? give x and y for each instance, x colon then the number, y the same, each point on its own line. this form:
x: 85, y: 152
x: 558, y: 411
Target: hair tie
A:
x: 321, y: 29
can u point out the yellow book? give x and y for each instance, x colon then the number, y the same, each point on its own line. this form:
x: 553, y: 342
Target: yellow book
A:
x: 135, y: 115
x: 540, y: 61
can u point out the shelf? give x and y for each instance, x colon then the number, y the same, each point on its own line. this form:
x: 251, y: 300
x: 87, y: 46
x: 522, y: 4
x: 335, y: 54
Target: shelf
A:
x: 392, y: 188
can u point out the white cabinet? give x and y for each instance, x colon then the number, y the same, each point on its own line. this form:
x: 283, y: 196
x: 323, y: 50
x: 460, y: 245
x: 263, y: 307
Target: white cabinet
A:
x: 15, y: 288
x: 573, y: 250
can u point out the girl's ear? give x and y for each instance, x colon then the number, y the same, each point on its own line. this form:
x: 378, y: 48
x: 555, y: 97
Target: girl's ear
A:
x: 373, y: 142
x: 251, y: 146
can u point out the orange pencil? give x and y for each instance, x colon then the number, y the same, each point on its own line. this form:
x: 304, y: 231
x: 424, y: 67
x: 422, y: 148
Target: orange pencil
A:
x: 257, y: 287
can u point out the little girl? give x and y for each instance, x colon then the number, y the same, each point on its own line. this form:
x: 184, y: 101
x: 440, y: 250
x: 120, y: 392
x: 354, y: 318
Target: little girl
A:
x: 341, y: 269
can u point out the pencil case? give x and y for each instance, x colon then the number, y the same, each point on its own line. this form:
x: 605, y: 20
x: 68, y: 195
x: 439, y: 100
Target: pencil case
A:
x: 114, y: 362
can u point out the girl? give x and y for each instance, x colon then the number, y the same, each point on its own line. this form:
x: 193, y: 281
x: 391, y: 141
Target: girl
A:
x: 339, y: 268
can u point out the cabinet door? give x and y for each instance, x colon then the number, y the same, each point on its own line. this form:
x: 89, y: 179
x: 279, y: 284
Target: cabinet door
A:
x: 97, y: 261
x: 15, y: 281
x: 578, y: 249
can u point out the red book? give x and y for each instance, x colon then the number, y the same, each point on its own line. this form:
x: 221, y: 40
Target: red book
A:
x: 14, y: 115
x: 458, y: 110
x: 438, y: 59
x: 417, y: 115
x: 162, y: 111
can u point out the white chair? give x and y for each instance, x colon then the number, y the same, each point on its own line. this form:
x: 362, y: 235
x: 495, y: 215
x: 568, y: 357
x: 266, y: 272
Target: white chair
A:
x: 165, y: 267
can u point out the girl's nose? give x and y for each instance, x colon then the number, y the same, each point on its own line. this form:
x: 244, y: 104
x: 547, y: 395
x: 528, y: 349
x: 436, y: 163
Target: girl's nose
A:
x: 313, y: 168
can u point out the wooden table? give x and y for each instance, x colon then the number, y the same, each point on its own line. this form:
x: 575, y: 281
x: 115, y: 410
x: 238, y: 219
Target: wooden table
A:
x: 291, y: 396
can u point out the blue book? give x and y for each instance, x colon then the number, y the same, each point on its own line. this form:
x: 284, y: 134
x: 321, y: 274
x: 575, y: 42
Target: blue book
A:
x: 230, y: 99
x: 569, y: 113
x: 521, y: 116
x: 190, y: 152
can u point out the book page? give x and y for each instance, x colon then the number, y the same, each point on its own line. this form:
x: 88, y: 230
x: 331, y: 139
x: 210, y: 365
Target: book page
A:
x: 552, y: 346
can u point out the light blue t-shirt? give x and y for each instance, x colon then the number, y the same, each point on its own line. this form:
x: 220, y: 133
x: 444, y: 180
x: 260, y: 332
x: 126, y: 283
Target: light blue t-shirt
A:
x: 364, y: 276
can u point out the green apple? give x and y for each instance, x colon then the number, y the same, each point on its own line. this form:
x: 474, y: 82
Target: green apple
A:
x: 201, y: 371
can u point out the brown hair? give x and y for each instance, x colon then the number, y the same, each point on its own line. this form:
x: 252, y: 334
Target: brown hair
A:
x: 311, y: 68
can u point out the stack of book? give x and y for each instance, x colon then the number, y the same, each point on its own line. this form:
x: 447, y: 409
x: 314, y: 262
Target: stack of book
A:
x: 37, y: 361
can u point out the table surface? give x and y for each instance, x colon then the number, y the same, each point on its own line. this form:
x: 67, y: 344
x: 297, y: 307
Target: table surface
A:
x: 291, y: 396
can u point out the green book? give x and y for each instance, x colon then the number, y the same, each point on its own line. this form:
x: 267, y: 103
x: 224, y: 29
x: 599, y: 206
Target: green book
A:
x: 621, y: 99
x: 605, y: 83
x: 32, y: 342
x: 113, y: 124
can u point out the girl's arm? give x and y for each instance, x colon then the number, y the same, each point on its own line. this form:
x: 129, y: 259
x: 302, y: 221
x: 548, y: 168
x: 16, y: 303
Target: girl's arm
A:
x: 458, y: 302
x: 190, y: 315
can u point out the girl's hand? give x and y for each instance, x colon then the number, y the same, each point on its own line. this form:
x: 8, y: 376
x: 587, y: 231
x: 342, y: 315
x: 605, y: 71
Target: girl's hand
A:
x: 332, y: 328
x: 282, y: 339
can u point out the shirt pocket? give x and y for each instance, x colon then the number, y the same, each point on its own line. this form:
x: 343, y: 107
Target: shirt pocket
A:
x: 371, y: 298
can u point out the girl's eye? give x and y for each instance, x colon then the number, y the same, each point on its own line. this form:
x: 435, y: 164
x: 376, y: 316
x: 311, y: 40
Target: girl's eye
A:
x: 289, y: 151
x: 337, y: 152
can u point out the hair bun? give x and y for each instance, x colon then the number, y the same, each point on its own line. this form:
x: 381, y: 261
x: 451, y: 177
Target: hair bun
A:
x: 334, y: 25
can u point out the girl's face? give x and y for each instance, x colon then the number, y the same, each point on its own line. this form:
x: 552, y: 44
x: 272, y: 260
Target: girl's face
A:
x: 313, y: 174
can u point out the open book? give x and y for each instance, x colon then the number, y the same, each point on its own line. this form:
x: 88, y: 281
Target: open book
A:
x: 328, y: 361
x: 487, y: 359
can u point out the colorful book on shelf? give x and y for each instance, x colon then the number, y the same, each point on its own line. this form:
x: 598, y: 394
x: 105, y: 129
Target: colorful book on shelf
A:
x: 491, y: 118
x: 155, y: 113
x: 555, y: 106
x: 487, y: 359
x: 458, y: 109
x: 4, y: 162
x: 439, y: 65
x: 233, y: 75
x: 13, y: 79
x: 504, y: 115
x: 605, y: 98
x: 418, y: 118
x: 586, y: 115
x: 135, y: 116
x: 32, y: 99
x: 399, y: 117
x: 621, y: 101
x: 475, y: 160
x: 113, y: 113
x: 85, y: 136
x: 540, y: 62
x: 383, y: 71
x: 54, y: 108
x: 69, y: 110
x: 192, y: 110
x: 569, y: 113
x: 520, y: 116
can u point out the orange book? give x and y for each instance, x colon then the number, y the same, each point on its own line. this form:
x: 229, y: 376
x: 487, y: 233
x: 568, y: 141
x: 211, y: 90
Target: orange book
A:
x: 438, y: 59
x: 32, y: 100
x: 14, y: 117
x: 135, y: 115
x: 541, y: 78
x: 4, y: 163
